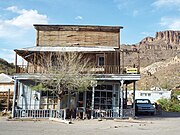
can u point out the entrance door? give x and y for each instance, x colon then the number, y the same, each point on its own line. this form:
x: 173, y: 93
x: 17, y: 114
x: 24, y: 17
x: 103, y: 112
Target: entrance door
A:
x: 103, y: 97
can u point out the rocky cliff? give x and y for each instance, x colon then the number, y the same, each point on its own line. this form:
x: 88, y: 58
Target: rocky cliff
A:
x: 171, y: 37
x: 159, y: 60
x: 163, y: 39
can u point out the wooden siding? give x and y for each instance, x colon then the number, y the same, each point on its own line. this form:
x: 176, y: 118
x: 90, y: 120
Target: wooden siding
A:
x: 77, y: 38
x: 6, y: 98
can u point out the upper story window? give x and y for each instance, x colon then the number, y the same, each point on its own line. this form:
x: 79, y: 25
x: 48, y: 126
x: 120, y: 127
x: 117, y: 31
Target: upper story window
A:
x: 100, y: 60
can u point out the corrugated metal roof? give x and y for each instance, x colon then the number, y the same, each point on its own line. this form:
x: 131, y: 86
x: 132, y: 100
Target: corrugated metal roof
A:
x: 5, y: 78
x: 68, y: 49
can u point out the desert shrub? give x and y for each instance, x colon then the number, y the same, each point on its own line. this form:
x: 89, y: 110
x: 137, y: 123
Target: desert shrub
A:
x: 170, y: 105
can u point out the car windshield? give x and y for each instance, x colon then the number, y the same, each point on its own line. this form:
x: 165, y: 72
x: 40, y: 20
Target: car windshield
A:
x: 143, y: 101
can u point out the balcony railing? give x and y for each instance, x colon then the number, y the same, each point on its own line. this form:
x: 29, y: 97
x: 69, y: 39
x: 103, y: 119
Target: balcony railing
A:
x: 108, y: 69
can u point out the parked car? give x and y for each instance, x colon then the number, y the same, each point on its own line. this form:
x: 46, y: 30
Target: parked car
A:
x: 144, y: 106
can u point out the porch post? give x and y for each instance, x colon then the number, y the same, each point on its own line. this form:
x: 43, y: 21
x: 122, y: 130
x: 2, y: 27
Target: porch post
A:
x: 84, y: 98
x: 84, y: 103
x: 93, y: 84
x: 16, y: 63
x: 92, y: 106
x: 134, y: 89
x: 122, y: 89
x: 8, y: 99
x: 68, y: 102
x: 14, y: 98
x: 126, y: 96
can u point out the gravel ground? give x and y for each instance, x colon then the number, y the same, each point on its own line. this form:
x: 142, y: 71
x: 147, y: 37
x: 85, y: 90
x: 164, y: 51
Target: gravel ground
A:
x: 144, y: 125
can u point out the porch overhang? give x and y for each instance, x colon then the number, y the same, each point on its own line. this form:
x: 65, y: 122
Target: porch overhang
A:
x: 84, y: 49
x: 99, y: 77
x: 128, y: 78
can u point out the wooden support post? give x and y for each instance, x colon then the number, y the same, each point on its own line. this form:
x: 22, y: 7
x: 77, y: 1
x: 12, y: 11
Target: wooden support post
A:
x: 16, y: 63
x: 126, y: 97
x: 35, y: 62
x: 84, y: 98
x: 14, y: 97
x: 105, y: 64
x: 134, y: 90
x: 8, y: 100
x: 93, y: 85
x: 92, y: 106
x: 122, y: 96
x: 122, y: 61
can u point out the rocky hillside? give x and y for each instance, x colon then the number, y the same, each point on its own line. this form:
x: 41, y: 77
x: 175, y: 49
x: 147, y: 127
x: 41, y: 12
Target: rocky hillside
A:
x: 7, y: 68
x: 162, y: 40
x: 164, y: 74
x: 160, y: 60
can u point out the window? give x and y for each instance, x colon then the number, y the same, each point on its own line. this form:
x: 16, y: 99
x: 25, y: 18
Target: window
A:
x: 48, y: 100
x: 145, y: 94
x: 100, y: 60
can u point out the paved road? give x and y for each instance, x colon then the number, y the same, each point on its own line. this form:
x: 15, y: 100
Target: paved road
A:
x: 143, y: 126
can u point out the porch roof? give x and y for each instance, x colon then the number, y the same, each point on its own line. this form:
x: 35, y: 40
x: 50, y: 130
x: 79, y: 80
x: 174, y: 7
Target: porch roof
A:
x: 68, y: 49
x: 106, y: 77
x: 25, y: 52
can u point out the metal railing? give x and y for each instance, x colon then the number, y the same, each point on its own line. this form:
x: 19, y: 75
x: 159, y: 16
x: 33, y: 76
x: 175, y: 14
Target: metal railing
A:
x: 113, y: 113
x: 61, y: 114
x: 40, y: 113
x: 28, y: 113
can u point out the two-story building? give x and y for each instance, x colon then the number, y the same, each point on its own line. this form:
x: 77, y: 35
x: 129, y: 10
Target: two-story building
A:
x: 112, y: 72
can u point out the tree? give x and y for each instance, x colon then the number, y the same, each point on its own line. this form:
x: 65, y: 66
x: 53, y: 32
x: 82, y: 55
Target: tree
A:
x: 64, y: 72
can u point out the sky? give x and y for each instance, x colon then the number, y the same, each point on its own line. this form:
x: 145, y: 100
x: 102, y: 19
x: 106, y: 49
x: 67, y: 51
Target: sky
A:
x: 140, y: 18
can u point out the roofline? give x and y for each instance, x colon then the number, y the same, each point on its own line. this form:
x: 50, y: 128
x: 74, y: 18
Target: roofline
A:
x: 51, y: 27
x: 68, y: 49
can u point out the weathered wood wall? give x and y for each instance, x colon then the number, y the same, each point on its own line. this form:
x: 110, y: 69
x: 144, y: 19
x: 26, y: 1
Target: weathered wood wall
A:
x: 78, y: 38
x: 77, y: 35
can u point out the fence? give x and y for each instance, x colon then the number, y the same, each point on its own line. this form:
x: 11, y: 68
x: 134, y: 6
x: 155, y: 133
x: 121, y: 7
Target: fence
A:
x: 40, y: 113
x: 61, y: 114
x: 6, y: 100
x: 110, y: 113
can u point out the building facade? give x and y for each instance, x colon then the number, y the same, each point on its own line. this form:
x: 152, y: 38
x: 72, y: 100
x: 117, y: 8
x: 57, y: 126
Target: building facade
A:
x: 112, y: 72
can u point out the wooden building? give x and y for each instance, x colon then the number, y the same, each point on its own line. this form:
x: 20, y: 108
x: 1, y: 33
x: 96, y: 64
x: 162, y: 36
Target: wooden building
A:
x: 6, y: 91
x: 101, y: 44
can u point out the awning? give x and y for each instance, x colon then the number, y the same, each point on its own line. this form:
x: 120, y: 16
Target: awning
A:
x: 68, y: 49
x: 28, y: 52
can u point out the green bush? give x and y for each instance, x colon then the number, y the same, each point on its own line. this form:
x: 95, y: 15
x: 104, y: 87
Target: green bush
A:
x: 170, y: 105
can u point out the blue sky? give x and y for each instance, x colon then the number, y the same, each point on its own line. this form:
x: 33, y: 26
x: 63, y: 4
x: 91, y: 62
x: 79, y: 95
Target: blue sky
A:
x: 140, y: 18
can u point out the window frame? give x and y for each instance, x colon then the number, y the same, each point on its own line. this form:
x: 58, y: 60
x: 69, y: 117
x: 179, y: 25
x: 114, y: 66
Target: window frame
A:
x: 98, y: 56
